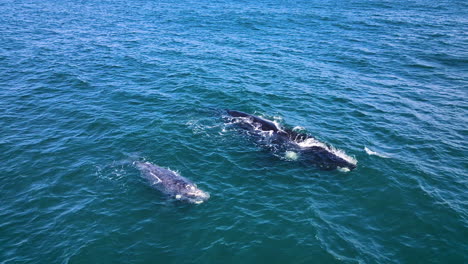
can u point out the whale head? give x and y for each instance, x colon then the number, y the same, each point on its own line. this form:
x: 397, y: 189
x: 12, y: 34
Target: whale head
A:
x: 192, y: 194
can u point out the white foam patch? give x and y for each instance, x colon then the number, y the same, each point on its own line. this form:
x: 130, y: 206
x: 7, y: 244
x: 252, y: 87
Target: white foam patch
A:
x: 255, y: 125
x: 370, y: 152
x: 277, y: 125
x: 344, y: 169
x: 312, y: 142
x: 278, y: 118
x: 291, y: 155
x: 239, y: 119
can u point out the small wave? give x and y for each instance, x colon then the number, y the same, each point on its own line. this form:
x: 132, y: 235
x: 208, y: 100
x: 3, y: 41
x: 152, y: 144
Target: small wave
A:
x: 116, y: 172
x: 370, y: 152
x: 298, y: 128
x: 204, y: 127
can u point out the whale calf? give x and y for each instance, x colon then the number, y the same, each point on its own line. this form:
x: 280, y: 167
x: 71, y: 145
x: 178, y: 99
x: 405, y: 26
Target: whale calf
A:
x: 290, y: 144
x: 172, y: 183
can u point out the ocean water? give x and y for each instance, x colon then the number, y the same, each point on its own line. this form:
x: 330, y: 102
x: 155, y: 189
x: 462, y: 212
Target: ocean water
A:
x: 88, y: 87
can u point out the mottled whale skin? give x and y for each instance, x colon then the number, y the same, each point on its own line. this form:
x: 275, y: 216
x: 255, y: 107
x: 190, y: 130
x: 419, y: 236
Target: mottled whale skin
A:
x: 302, y: 146
x: 171, y: 183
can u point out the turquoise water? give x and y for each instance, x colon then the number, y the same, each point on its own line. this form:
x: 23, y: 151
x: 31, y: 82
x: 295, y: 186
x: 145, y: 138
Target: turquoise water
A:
x: 87, y: 87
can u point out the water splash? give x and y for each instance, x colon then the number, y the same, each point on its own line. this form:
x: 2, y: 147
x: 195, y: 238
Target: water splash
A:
x: 291, y: 155
x: 370, y: 152
x: 312, y: 142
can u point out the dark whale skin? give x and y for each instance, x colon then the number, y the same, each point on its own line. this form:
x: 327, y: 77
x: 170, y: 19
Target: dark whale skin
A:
x: 283, y: 140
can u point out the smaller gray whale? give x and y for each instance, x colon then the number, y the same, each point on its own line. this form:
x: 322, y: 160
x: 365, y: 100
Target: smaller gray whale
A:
x: 172, y: 183
x: 290, y: 144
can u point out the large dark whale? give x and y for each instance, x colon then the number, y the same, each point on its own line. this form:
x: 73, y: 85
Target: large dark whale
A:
x: 172, y: 183
x: 289, y: 143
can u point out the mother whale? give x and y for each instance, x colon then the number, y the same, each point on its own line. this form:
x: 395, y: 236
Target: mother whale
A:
x: 291, y: 144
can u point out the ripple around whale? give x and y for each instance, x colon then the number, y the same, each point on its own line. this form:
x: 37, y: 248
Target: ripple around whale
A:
x: 89, y: 87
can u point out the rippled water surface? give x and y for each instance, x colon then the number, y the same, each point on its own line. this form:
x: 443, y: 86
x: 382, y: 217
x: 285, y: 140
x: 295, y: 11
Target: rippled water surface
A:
x: 88, y: 87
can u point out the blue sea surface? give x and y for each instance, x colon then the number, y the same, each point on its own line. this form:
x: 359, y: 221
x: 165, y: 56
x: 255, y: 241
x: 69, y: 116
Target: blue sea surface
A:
x: 89, y: 87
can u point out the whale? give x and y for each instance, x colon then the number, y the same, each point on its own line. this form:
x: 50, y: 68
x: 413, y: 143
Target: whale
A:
x: 171, y: 183
x: 290, y: 144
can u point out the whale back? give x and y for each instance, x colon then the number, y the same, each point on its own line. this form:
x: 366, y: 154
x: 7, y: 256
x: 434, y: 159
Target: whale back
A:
x: 258, y: 122
x: 171, y: 183
x: 285, y: 142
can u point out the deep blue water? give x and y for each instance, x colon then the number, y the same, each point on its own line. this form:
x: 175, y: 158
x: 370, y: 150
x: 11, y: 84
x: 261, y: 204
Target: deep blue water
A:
x: 87, y: 87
